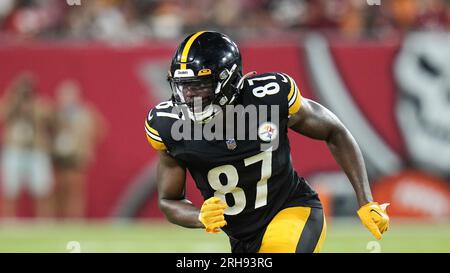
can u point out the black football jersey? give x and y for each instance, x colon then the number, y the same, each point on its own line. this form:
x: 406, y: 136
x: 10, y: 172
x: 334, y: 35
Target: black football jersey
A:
x: 254, y: 173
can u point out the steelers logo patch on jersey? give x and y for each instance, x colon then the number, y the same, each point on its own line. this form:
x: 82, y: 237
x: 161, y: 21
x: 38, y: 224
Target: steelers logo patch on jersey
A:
x: 267, y: 131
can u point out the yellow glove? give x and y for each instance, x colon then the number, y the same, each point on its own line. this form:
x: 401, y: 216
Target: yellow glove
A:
x: 212, y: 214
x: 375, y: 218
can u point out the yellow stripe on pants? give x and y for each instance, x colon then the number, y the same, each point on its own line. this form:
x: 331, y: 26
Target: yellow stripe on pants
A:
x: 285, y: 230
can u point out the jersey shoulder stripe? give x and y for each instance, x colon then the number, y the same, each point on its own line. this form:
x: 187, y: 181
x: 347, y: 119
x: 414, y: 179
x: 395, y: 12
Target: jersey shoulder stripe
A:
x: 156, y: 144
x: 294, y: 97
x: 154, y: 139
x: 153, y: 125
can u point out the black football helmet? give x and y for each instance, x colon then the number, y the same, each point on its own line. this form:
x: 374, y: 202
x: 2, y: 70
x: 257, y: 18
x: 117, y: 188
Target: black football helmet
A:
x: 205, y: 74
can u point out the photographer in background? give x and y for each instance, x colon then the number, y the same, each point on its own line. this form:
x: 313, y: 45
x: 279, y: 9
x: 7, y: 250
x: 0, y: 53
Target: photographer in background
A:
x: 77, y: 131
x: 25, y: 159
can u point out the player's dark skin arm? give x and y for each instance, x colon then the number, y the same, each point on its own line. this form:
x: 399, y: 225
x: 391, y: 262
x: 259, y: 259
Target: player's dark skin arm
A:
x: 171, y: 185
x: 315, y: 121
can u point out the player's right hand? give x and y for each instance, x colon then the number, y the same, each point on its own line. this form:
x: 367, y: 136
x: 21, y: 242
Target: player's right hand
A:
x: 212, y: 214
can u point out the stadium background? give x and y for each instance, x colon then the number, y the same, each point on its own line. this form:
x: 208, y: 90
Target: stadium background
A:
x: 119, y: 51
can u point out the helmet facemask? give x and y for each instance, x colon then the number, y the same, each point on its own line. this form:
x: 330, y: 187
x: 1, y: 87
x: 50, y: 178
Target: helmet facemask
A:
x: 204, y: 96
x: 197, y: 94
x: 227, y: 90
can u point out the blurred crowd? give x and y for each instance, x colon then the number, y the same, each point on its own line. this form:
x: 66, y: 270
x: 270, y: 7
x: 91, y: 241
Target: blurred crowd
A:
x: 137, y: 20
x: 46, y: 147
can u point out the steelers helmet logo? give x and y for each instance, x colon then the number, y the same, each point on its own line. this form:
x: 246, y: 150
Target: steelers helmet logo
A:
x: 267, y: 131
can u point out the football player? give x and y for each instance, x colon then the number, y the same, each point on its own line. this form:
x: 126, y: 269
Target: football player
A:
x: 250, y: 188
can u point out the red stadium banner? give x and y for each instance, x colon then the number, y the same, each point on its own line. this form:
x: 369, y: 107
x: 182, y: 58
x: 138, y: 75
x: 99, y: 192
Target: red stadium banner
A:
x: 377, y: 89
x: 415, y: 194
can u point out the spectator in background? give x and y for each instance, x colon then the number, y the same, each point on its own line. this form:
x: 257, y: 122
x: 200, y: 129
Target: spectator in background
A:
x: 433, y: 15
x: 403, y: 13
x: 323, y: 14
x: 5, y: 8
x: 167, y: 20
x: 110, y: 20
x: 78, y: 127
x: 31, y: 19
x: 128, y: 21
x: 25, y: 160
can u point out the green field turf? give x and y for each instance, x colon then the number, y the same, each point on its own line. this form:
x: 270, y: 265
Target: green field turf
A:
x: 343, y: 236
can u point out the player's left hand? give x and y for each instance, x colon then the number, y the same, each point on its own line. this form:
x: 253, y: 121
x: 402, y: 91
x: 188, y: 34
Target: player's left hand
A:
x: 375, y: 218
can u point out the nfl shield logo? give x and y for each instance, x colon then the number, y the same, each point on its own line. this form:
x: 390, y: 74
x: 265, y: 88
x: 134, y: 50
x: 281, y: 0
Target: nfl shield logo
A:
x: 231, y: 144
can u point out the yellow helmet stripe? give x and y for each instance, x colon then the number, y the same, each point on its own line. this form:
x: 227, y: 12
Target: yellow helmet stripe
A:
x: 187, y: 47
